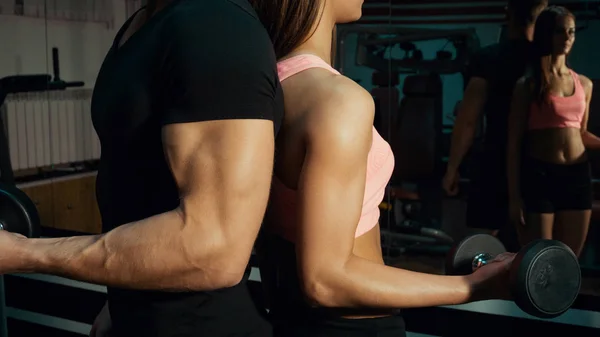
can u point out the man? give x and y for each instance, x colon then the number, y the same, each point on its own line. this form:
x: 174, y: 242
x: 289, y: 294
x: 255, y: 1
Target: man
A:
x: 186, y: 106
x: 492, y: 75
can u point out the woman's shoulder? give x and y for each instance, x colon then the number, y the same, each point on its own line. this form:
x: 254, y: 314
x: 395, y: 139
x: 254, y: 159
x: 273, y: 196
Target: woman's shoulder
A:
x: 342, y: 95
x: 586, y: 82
x: 339, y: 102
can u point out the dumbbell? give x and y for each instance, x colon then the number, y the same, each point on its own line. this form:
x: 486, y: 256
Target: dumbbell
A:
x: 545, y: 276
x: 18, y: 214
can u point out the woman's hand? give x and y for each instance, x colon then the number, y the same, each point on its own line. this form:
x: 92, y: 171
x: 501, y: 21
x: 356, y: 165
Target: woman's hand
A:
x: 491, y: 281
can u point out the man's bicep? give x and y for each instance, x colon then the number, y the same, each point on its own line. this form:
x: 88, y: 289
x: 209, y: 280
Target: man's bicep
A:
x: 228, y: 72
x: 223, y: 170
x: 481, y: 64
x: 519, y: 107
x: 474, y: 100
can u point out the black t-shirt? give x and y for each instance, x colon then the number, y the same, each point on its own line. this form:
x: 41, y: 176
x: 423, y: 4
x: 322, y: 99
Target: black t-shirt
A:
x: 193, y: 61
x: 501, y: 65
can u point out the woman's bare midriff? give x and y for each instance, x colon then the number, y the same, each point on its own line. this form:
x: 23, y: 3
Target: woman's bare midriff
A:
x: 561, y: 146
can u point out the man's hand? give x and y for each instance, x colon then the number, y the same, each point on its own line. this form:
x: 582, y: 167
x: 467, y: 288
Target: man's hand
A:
x: 450, y: 182
x: 11, y: 249
x: 102, y: 324
x: 517, y: 219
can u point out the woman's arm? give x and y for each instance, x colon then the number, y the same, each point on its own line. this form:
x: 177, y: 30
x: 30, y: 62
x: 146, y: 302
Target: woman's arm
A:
x: 517, y: 122
x: 590, y: 140
x: 330, y: 196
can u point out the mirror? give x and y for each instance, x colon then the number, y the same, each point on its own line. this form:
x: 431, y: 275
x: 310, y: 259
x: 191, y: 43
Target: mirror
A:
x: 413, y: 57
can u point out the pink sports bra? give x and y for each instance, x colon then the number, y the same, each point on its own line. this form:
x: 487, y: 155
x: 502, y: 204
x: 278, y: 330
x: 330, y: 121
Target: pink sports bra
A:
x: 560, y: 112
x: 281, y: 215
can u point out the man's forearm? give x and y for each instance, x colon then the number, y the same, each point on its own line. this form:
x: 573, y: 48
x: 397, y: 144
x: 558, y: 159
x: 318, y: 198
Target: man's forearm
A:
x: 158, y: 253
x: 462, y: 138
x: 514, y: 192
x: 513, y: 163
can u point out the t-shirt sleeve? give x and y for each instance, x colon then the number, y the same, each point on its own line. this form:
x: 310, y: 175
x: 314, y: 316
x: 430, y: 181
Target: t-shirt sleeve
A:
x: 216, y: 68
x: 481, y: 65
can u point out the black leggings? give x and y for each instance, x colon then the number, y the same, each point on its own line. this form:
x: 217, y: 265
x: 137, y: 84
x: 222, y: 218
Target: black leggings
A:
x: 550, y: 188
x: 389, y: 326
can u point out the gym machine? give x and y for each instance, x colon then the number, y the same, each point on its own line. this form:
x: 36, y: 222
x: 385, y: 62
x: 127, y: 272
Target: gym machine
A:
x: 371, y: 48
x: 18, y: 213
x: 421, y: 160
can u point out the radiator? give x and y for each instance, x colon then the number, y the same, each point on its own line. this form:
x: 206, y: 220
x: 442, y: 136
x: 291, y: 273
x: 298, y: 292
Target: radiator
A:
x: 50, y: 128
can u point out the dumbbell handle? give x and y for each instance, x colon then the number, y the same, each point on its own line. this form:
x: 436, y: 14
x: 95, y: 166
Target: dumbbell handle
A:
x: 481, y: 260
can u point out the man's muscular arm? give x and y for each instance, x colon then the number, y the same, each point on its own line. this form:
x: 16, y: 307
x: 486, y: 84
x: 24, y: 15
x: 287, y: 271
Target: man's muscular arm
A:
x: 223, y: 170
x: 465, y: 125
x: 218, y: 92
x: 470, y: 109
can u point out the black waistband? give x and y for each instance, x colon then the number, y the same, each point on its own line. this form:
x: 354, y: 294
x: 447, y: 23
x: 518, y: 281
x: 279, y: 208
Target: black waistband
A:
x: 226, y: 312
x: 529, y: 161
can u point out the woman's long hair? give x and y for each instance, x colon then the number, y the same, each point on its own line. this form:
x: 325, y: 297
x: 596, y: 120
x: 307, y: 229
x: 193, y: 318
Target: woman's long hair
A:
x: 289, y: 22
x: 543, y: 44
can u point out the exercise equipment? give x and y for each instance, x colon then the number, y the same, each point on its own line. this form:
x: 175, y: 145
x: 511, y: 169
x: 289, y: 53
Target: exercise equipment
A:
x: 415, y: 141
x: 545, y: 276
x: 375, y: 41
x: 415, y: 138
x: 18, y: 214
x: 406, y: 227
x: 411, y: 125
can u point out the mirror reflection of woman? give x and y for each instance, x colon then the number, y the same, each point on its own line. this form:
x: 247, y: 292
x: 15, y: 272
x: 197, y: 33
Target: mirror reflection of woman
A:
x: 549, y: 175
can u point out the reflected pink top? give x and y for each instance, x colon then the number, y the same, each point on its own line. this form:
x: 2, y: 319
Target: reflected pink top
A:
x: 558, y: 111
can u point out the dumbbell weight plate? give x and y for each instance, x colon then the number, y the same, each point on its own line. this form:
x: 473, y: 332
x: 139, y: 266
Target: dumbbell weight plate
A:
x: 459, y: 261
x: 18, y: 214
x: 545, y: 278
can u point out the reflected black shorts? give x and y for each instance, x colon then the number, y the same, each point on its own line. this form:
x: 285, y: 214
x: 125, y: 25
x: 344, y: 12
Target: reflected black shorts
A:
x: 550, y: 188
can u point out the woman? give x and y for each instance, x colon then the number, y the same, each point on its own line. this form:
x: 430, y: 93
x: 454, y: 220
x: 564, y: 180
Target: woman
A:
x: 320, y: 254
x: 548, y: 121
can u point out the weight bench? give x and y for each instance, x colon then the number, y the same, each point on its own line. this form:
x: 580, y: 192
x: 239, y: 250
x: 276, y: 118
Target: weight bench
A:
x: 416, y: 142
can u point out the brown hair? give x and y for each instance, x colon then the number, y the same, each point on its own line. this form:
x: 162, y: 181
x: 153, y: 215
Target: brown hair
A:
x: 288, y: 22
x: 525, y: 12
x: 543, y: 41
